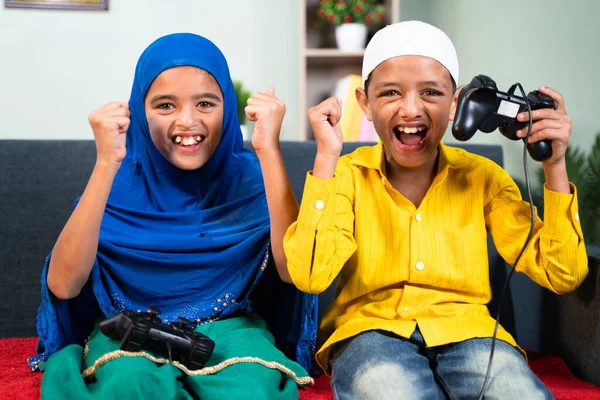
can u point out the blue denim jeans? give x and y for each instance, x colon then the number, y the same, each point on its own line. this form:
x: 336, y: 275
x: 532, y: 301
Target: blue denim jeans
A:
x: 380, y: 365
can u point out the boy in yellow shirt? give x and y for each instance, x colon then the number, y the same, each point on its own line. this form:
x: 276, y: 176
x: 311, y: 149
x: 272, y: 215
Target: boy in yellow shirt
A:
x: 404, y: 224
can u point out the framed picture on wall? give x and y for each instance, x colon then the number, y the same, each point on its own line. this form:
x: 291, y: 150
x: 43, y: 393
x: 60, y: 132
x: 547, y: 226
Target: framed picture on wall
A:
x: 59, y: 4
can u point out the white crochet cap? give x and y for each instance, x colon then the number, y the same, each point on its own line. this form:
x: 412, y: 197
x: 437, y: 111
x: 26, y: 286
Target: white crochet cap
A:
x: 410, y: 38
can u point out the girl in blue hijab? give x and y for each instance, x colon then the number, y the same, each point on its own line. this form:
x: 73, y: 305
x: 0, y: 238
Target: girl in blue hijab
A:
x: 176, y: 217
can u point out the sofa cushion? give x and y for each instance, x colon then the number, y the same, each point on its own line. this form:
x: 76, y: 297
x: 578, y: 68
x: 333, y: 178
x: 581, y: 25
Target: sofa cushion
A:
x: 40, y: 179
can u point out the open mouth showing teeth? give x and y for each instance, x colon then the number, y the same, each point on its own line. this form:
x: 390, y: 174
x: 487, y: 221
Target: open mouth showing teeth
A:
x: 186, y: 141
x: 411, y: 136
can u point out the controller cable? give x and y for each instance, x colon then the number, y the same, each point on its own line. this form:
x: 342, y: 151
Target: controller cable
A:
x: 506, y: 283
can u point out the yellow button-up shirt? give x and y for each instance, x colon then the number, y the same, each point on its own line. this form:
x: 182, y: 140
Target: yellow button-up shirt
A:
x: 402, y: 266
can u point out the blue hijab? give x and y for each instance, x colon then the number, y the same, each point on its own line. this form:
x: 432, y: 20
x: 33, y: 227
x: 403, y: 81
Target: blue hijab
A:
x: 190, y: 243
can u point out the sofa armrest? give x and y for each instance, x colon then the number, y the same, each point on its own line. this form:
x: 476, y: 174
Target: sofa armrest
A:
x: 577, y: 335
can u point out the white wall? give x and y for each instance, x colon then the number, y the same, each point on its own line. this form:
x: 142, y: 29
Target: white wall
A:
x: 535, y: 42
x: 57, y: 66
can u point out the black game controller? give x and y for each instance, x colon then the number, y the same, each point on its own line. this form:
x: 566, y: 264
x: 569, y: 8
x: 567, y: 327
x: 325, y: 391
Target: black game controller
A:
x: 145, y: 331
x: 482, y: 106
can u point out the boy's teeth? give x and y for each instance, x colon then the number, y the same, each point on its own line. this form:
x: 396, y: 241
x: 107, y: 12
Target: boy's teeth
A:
x: 198, y: 138
x: 411, y: 129
x: 178, y: 139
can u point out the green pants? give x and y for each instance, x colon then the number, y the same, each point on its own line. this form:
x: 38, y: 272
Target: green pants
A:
x: 130, y: 377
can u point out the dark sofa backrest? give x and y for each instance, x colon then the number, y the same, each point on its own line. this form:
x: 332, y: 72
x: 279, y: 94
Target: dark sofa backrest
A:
x: 39, y: 181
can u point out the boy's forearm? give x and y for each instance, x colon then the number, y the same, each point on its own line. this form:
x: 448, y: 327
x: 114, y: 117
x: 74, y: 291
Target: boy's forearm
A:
x: 320, y: 243
x: 324, y: 167
x: 557, y: 179
x: 282, y: 204
x: 555, y: 258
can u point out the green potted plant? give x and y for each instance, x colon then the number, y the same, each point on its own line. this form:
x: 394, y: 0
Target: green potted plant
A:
x: 350, y: 17
x: 242, y: 96
x: 584, y: 171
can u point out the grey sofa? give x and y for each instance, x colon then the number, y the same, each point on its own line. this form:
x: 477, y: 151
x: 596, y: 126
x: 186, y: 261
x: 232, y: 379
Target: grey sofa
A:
x: 39, y: 180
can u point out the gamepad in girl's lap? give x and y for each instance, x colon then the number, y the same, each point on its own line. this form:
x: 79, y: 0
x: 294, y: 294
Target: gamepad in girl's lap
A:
x: 145, y: 331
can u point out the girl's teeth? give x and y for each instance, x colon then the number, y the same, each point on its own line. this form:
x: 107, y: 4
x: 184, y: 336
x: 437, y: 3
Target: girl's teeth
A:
x: 188, y: 141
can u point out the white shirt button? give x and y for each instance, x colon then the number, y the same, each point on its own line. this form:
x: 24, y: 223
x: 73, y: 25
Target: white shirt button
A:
x: 319, y: 205
x: 576, y: 216
x: 418, y: 217
x: 407, y: 309
x: 420, y: 266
